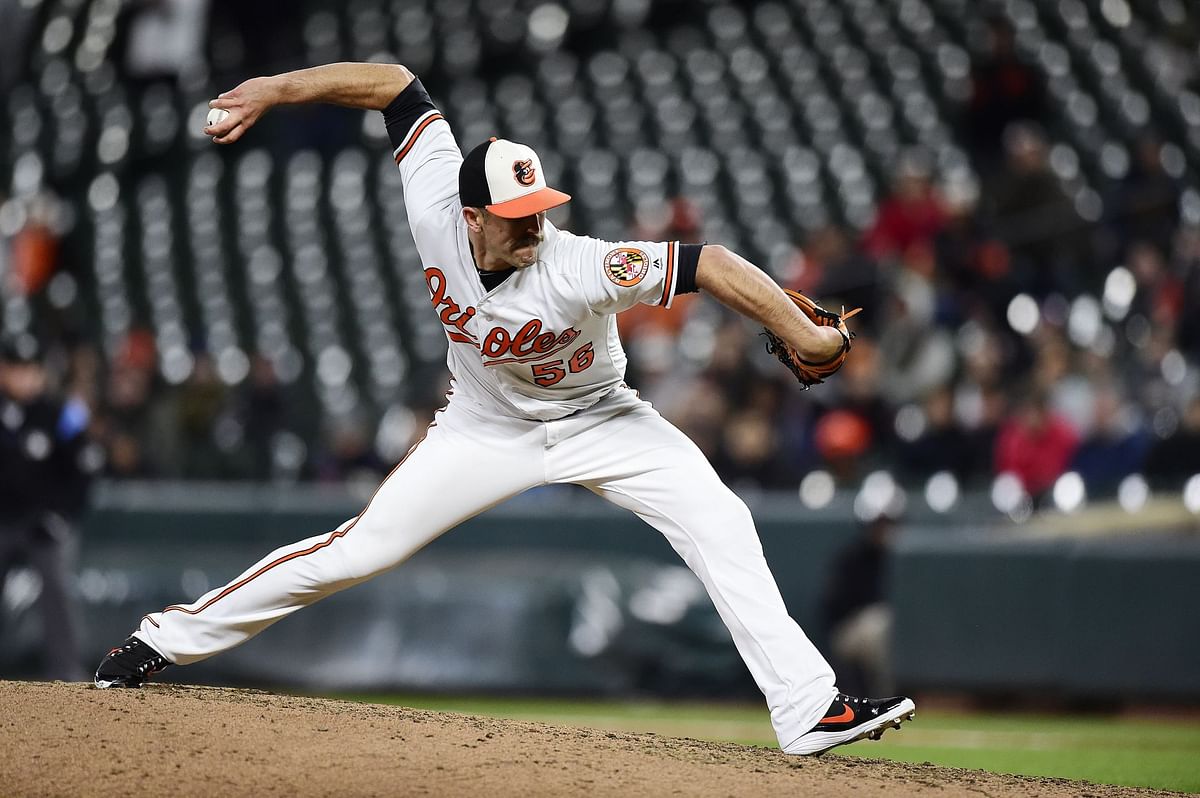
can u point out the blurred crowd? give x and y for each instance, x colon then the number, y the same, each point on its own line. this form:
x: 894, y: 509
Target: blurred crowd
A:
x: 1008, y: 327
x: 983, y: 348
x: 207, y: 429
x: 986, y: 345
x: 1006, y: 330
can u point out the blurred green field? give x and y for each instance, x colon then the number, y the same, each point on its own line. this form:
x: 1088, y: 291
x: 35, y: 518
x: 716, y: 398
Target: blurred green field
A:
x: 1135, y: 752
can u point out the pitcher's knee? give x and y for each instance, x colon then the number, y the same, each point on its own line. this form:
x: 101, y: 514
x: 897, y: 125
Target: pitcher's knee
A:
x: 724, y: 513
x: 731, y: 505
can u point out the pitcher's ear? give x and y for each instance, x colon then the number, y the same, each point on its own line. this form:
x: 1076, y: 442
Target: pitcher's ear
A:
x: 474, y: 217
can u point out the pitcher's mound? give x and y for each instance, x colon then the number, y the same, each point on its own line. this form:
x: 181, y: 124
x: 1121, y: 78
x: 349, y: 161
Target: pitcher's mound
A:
x: 73, y: 740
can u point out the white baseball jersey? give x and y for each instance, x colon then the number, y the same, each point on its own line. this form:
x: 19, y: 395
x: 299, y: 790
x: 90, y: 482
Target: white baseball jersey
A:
x: 538, y: 400
x: 543, y: 344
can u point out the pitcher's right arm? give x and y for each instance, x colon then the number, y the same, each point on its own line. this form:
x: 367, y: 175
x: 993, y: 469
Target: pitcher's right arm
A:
x: 364, y: 86
x: 423, y: 145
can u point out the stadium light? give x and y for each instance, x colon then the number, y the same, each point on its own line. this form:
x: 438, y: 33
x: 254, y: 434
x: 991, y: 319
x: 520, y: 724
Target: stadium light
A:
x: 176, y: 364
x: 1010, y: 498
x: 1119, y: 289
x: 879, y: 496
x: 1174, y: 367
x: 1069, y: 492
x: 1191, y: 494
x: 1117, y: 13
x: 1132, y: 493
x: 816, y: 489
x: 232, y: 365
x: 910, y: 422
x: 1023, y: 314
x: 1084, y: 322
x: 941, y: 492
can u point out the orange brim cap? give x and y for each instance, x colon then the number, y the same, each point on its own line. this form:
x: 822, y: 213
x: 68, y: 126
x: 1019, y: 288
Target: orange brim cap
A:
x: 528, y: 204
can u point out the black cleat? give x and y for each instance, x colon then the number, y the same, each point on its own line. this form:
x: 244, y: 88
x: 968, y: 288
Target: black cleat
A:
x: 129, y: 665
x: 850, y: 719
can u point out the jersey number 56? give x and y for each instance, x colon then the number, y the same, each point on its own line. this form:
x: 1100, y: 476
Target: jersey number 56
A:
x: 553, y: 371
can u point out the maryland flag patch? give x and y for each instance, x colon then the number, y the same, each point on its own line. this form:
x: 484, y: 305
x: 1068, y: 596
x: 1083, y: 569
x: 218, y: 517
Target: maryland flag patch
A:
x: 626, y: 267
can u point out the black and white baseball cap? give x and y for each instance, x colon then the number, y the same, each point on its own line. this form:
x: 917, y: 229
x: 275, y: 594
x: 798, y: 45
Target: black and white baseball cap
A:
x: 507, y: 179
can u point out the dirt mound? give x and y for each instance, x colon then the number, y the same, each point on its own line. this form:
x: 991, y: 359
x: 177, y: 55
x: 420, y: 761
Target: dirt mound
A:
x: 72, y: 740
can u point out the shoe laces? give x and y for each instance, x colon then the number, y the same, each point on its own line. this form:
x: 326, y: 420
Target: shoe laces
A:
x: 152, y: 664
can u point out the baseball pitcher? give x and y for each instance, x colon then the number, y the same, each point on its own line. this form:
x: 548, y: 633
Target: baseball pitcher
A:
x: 537, y: 397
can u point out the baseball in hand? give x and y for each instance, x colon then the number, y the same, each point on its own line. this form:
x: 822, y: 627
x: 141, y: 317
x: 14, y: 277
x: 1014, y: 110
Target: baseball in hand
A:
x: 215, y: 116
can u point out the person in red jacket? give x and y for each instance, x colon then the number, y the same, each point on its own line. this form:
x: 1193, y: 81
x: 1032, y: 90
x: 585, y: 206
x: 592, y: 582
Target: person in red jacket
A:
x: 1036, y: 444
x: 911, y: 216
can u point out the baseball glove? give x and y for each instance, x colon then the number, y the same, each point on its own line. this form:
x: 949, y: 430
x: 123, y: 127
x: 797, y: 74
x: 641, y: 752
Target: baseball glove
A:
x: 808, y: 372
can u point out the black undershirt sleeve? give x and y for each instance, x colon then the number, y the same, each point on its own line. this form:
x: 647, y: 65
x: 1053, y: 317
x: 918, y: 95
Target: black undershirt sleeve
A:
x: 406, y: 109
x: 689, y: 260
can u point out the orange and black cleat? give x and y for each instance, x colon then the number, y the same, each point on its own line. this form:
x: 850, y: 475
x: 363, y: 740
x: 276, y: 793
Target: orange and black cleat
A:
x: 849, y: 719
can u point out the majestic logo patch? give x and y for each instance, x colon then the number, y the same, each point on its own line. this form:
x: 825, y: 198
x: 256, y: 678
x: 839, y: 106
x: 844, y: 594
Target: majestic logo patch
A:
x: 524, y: 172
x: 626, y: 267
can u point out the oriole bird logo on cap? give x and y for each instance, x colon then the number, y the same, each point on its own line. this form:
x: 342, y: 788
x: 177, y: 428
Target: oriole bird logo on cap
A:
x: 524, y: 172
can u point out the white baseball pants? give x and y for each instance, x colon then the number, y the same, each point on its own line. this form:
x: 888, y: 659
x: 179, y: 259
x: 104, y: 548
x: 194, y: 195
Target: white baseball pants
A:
x: 469, y: 461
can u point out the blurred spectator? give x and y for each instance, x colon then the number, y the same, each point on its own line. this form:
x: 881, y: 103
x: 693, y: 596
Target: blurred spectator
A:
x: 83, y: 374
x: 911, y: 216
x: 700, y: 411
x: 830, y: 267
x: 983, y: 354
x: 1173, y: 460
x: 1116, y: 445
x: 976, y: 263
x: 1035, y: 444
x: 1068, y: 391
x: 728, y: 364
x: 34, y: 250
x: 981, y: 393
x: 349, y: 455
x: 749, y: 456
x: 1034, y: 216
x: 858, y: 387
x: 980, y: 411
x: 856, y: 611
x: 1185, y: 262
x: 752, y: 444
x: 1160, y: 294
x: 263, y: 413
x: 136, y: 422
x: 842, y: 437
x: 45, y: 468
x: 931, y: 439
x: 207, y: 431
x: 1147, y: 200
x: 915, y: 355
x: 1004, y: 89
x: 127, y: 421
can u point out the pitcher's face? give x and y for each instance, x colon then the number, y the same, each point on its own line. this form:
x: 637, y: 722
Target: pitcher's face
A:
x: 511, y: 241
